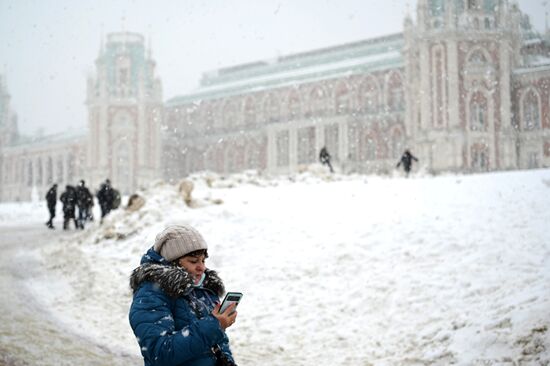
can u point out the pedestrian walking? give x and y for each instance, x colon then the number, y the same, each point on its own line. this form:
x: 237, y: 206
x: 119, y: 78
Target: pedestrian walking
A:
x: 85, y: 202
x: 175, y: 309
x: 51, y: 201
x: 324, y: 158
x: 68, y: 198
x: 406, y: 159
x: 105, y: 197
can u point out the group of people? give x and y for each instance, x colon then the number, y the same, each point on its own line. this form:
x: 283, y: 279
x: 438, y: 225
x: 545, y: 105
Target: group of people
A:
x: 81, y: 198
x: 406, y: 160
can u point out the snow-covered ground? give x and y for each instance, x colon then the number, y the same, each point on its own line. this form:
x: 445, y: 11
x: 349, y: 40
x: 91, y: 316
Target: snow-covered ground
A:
x: 335, y: 270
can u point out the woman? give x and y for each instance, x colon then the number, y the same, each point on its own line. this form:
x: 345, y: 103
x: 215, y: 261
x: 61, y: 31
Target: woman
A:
x: 174, y: 313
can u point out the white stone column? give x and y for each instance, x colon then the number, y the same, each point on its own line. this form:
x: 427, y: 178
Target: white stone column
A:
x: 102, y: 138
x: 271, y: 149
x: 492, y: 132
x: 452, y: 84
x: 293, y: 148
x: 343, y: 141
x: 505, y: 135
x: 424, y: 93
x: 66, y: 169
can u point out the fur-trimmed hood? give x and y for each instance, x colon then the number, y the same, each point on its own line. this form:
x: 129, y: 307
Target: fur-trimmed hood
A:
x: 174, y: 281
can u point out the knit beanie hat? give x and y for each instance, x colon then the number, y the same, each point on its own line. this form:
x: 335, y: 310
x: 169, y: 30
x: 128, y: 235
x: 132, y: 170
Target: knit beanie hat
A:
x: 178, y: 240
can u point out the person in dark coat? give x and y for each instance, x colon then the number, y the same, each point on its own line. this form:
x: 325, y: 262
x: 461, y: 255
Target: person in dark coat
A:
x: 324, y: 158
x: 406, y: 159
x: 175, y: 309
x: 51, y: 201
x: 68, y: 198
x: 85, y: 202
x: 105, y: 197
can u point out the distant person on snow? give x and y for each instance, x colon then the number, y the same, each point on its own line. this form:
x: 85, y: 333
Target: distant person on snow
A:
x: 51, y: 201
x: 85, y: 202
x: 68, y: 198
x: 105, y: 197
x: 324, y: 158
x: 175, y: 309
x: 406, y: 159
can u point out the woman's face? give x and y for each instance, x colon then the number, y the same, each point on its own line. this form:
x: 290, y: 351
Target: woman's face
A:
x: 194, y: 265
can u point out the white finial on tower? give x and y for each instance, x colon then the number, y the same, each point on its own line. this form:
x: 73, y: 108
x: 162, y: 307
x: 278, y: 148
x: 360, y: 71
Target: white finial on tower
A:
x: 149, y: 44
x: 101, y: 41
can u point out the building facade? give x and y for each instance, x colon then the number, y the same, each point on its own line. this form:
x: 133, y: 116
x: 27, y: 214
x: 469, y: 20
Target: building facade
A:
x: 122, y: 142
x: 124, y: 115
x: 465, y: 87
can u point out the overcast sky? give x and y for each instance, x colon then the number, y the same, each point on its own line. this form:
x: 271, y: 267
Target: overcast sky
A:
x: 48, y: 47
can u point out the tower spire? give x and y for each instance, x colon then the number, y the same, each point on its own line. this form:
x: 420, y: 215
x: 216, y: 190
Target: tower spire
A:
x: 101, y: 40
x: 149, y: 44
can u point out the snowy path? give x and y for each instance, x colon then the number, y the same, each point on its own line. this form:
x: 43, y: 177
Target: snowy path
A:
x: 29, y: 333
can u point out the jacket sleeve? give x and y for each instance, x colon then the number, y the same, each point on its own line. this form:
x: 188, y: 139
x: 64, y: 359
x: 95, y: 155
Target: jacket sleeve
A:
x: 152, y: 321
x: 225, y: 348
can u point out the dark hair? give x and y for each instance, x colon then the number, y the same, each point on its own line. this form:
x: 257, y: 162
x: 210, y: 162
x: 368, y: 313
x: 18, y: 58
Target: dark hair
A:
x: 198, y: 253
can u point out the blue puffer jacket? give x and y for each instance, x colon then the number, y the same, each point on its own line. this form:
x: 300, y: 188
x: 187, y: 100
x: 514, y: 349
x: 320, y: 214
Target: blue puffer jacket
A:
x: 171, y: 318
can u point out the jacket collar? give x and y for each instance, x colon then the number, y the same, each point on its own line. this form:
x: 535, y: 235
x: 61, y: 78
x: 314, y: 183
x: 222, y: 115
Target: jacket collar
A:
x: 173, y: 280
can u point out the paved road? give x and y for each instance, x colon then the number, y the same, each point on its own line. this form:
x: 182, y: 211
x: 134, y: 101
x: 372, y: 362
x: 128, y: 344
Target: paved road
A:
x: 28, y: 335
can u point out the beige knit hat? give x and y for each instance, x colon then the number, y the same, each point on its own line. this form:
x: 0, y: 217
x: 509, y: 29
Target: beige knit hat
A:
x: 178, y: 240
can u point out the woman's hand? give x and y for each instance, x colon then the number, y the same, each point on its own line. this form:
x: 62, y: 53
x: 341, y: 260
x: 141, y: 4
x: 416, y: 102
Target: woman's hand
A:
x: 227, y: 318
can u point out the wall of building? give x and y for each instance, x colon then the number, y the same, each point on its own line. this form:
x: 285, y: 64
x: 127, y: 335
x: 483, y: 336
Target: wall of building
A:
x: 31, y: 169
x: 465, y: 88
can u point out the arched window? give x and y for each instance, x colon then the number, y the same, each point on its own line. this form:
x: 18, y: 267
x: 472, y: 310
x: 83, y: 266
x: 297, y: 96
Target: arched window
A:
x: 60, y: 172
x: 249, y: 111
x: 397, y: 143
x: 306, y: 145
x: 30, y: 178
x: 318, y: 102
x: 478, y: 112
x: 477, y: 57
x: 331, y: 140
x: 369, y: 146
x: 353, y: 140
x: 341, y: 98
x: 480, y: 158
x: 39, y: 172
x: 49, y: 170
x: 396, y: 95
x: 209, y: 115
x: 71, y: 167
x: 368, y: 96
x: 256, y: 154
x: 193, y: 116
x: 283, y: 149
x: 234, y: 154
x: 294, y: 105
x: 531, y: 111
x: 272, y: 108
x: 229, y: 116
x: 474, y: 4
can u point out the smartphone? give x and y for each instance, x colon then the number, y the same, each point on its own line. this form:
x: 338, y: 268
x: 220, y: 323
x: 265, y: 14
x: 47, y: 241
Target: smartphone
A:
x: 230, y: 298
